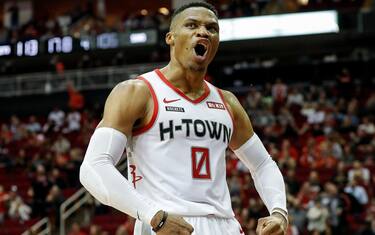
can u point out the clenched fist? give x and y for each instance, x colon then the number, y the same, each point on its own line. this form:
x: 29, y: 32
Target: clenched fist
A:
x: 173, y: 225
x: 272, y: 225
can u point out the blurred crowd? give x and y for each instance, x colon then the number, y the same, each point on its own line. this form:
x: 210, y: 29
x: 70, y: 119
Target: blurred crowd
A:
x: 46, y: 152
x: 321, y: 136
x: 323, y: 139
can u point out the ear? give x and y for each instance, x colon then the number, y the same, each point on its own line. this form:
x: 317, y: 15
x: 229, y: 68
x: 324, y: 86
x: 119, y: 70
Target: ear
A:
x: 169, y: 38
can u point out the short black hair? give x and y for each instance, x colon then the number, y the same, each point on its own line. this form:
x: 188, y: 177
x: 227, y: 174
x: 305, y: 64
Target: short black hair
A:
x: 194, y: 4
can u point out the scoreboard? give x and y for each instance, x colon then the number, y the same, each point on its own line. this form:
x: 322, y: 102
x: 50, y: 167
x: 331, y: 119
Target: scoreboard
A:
x: 68, y: 44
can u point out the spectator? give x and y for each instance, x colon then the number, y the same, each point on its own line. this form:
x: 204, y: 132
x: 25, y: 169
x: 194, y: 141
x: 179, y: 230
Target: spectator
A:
x: 295, y: 98
x: 56, y: 118
x: 306, y: 195
x: 39, y: 190
x: 317, y: 114
x: 61, y: 145
x: 335, y: 205
x: 235, y: 185
x: 76, y: 99
x: 57, y: 179
x: 359, y: 171
x: 340, y: 178
x: 291, y: 182
x: 357, y: 191
x: 15, y: 127
x: 279, y: 93
x: 53, y: 201
x: 33, y: 125
x: 317, y: 217
x: 297, y: 215
x: 17, y: 208
x: 367, y: 126
x: 73, y: 121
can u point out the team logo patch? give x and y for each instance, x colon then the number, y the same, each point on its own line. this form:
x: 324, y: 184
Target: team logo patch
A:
x: 134, y: 175
x: 215, y: 105
x: 174, y: 109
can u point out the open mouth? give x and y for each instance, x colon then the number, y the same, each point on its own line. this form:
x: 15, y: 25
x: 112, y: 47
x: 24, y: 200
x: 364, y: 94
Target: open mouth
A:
x: 200, y: 49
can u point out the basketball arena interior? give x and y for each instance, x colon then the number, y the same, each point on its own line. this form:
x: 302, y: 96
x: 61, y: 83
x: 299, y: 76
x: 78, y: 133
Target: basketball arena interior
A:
x: 304, y: 70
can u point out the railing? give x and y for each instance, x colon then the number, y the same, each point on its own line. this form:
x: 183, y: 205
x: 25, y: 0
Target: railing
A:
x: 46, y: 83
x: 35, y: 229
x: 71, y: 205
x: 75, y: 202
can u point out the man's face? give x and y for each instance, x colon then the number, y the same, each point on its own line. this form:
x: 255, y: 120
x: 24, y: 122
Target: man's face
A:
x: 194, y: 38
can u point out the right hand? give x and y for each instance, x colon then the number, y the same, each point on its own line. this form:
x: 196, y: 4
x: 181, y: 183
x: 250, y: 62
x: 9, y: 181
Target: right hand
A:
x: 173, y: 225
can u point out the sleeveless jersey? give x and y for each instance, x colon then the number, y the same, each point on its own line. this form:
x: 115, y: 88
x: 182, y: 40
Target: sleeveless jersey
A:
x: 178, y: 158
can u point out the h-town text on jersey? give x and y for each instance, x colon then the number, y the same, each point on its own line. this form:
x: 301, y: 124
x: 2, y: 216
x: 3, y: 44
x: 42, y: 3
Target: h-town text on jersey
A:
x: 197, y: 127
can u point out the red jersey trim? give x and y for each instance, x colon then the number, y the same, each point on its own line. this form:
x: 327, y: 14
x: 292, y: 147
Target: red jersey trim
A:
x: 178, y: 91
x: 146, y: 127
x: 226, y: 106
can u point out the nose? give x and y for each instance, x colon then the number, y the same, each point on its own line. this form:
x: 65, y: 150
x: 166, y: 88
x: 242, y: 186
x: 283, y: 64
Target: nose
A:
x: 202, y: 32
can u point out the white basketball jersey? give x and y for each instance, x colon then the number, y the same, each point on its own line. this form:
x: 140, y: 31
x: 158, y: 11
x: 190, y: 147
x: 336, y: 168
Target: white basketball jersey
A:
x: 178, y: 159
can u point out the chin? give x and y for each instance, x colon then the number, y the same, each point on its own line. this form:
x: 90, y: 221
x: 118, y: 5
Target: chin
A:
x: 198, y: 68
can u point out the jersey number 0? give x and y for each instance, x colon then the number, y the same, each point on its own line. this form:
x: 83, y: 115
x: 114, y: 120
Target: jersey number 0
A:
x: 200, y: 163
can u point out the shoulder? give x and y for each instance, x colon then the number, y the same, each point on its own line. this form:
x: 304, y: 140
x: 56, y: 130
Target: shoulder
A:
x: 229, y: 97
x: 243, y: 129
x: 232, y: 102
x: 131, y: 95
x: 131, y: 87
x: 126, y: 103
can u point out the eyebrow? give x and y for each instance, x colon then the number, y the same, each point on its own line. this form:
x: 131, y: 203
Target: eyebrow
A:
x: 196, y: 21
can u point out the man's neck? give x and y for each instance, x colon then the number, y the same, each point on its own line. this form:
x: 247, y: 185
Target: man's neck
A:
x: 186, y: 80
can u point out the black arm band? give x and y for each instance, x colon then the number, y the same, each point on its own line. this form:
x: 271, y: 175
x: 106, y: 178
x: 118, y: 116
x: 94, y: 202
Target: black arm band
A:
x: 161, y: 223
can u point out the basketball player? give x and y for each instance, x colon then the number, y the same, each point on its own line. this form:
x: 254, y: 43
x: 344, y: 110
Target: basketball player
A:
x: 177, y: 127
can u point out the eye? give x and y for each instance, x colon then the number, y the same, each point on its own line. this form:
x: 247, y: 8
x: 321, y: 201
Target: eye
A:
x: 191, y: 25
x: 212, y: 29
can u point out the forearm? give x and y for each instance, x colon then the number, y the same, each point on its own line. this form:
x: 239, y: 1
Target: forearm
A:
x: 267, y: 176
x: 270, y: 185
x: 100, y: 177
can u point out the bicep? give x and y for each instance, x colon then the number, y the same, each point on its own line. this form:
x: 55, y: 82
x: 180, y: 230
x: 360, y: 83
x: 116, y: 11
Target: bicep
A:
x: 121, y: 109
x: 242, y: 125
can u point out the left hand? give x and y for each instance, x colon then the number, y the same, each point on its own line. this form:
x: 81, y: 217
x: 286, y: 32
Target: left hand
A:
x: 272, y: 225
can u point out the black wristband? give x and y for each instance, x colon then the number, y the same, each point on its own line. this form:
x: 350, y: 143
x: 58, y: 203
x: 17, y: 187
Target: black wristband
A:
x: 161, y: 223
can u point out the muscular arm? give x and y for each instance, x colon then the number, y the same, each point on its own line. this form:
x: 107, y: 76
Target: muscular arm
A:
x: 242, y: 125
x: 98, y: 173
x: 129, y: 103
x: 250, y: 150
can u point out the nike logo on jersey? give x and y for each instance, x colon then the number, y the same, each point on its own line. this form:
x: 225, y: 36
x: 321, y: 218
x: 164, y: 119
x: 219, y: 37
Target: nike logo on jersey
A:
x: 169, y: 101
